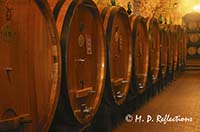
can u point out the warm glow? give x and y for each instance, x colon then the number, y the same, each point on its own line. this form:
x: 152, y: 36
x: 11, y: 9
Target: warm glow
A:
x: 196, y: 8
x: 187, y: 6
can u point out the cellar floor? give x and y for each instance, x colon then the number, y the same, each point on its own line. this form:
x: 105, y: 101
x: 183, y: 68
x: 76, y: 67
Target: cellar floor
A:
x: 180, y: 98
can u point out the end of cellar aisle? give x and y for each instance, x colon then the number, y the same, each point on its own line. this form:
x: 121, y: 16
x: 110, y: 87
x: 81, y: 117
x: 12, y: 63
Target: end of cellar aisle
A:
x: 173, y: 110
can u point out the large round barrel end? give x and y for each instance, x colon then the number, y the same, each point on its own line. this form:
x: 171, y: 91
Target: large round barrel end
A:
x: 30, y: 68
x: 154, y: 38
x: 141, y: 52
x: 84, y: 60
x: 164, y: 39
x: 119, y: 43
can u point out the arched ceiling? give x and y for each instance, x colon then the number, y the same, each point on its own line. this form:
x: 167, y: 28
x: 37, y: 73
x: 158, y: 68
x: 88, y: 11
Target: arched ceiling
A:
x: 173, y: 10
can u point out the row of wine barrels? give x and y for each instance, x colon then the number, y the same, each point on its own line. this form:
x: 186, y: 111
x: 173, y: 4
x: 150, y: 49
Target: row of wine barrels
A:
x: 97, y: 51
x: 119, y: 53
x: 180, y: 47
x: 181, y: 41
x: 154, y: 38
x: 119, y: 56
x: 74, y: 18
x: 83, y: 60
x: 193, y: 51
x: 30, y: 66
x: 176, y: 46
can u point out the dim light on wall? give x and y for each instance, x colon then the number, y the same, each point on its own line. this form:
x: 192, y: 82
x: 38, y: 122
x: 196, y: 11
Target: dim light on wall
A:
x: 196, y: 8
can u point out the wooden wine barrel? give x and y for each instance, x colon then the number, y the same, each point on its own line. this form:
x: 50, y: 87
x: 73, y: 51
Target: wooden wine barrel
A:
x: 175, y: 42
x: 119, y: 43
x: 141, y: 52
x: 192, y: 51
x: 164, y: 52
x: 185, y: 41
x: 83, y: 60
x: 194, y: 37
x: 154, y: 39
x: 55, y: 6
x: 198, y: 50
x: 181, y: 48
x: 175, y: 65
x: 179, y: 42
x: 30, y: 66
x: 192, y: 25
x: 53, y: 3
x: 170, y: 51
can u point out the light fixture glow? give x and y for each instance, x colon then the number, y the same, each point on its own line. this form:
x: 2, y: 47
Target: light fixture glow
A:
x: 196, y: 8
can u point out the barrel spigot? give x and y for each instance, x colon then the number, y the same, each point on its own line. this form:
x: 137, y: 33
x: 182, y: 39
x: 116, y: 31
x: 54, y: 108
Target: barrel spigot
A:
x: 140, y: 86
x: 80, y: 60
x: 86, y: 110
x: 120, y: 95
x: 124, y: 81
x: 153, y: 77
x: 92, y: 91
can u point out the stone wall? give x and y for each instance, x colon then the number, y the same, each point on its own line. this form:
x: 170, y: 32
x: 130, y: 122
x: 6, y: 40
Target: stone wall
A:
x: 172, y: 10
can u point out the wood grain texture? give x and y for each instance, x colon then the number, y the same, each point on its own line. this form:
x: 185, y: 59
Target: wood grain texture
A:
x: 141, y: 51
x: 154, y: 38
x: 164, y: 53
x: 119, y: 43
x: 84, y: 60
x: 30, y: 78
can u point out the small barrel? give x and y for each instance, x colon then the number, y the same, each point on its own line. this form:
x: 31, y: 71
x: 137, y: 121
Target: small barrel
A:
x: 192, y: 26
x: 141, y: 52
x: 83, y: 60
x: 119, y: 48
x: 194, y: 38
x: 154, y: 39
x: 164, y: 52
x: 30, y: 66
x: 192, y: 50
